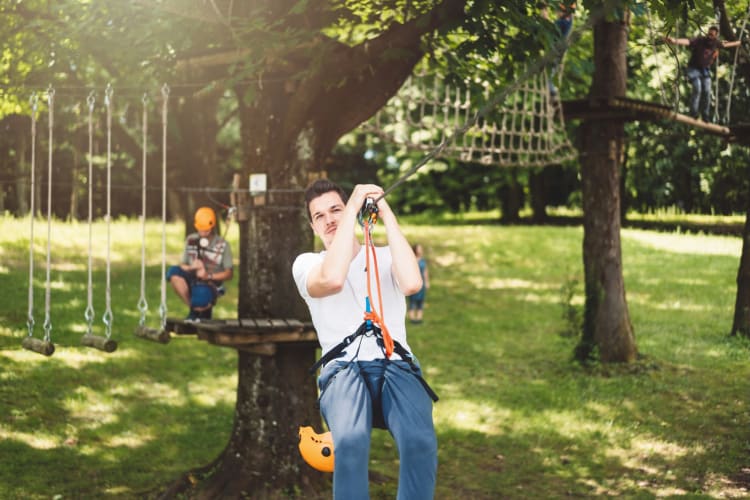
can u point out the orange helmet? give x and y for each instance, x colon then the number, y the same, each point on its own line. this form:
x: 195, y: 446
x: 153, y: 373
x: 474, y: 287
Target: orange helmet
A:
x: 205, y: 219
x: 316, y: 449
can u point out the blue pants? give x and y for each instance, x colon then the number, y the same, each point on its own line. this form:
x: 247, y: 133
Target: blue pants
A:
x: 355, y: 394
x: 700, y: 80
x: 202, y: 293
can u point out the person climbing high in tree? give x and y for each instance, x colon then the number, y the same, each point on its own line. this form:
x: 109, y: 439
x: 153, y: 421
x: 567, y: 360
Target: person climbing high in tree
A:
x: 704, y: 51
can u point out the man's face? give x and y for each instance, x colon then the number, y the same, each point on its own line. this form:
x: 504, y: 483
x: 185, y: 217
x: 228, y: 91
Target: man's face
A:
x: 325, y: 212
x: 712, y: 34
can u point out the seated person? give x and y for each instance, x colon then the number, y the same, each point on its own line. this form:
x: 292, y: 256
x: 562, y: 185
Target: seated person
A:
x: 206, y: 263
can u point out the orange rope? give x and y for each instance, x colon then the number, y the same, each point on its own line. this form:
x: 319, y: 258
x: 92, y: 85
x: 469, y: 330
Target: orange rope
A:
x: 373, y: 315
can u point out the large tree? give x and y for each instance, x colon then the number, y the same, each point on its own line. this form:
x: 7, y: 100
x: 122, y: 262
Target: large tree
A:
x: 607, y: 328
x: 309, y: 92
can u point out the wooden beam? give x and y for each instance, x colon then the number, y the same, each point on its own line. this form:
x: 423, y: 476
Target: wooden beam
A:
x: 625, y: 109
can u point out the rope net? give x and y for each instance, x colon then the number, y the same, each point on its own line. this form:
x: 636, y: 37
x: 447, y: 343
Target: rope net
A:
x: 528, y: 129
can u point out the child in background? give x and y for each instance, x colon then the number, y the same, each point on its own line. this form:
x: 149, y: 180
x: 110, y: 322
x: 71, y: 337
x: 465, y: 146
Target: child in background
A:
x: 416, y: 301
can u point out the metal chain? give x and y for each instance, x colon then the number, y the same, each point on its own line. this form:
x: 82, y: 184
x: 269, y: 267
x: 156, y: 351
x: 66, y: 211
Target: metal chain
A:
x: 89, y: 313
x: 32, y: 210
x: 108, y: 316
x: 47, y: 321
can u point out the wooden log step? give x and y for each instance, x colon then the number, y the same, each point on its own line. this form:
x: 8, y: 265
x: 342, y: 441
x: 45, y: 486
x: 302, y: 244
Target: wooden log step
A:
x: 37, y: 345
x: 97, y: 342
x: 153, y: 334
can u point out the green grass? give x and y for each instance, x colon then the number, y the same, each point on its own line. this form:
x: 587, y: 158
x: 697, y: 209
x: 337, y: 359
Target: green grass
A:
x: 517, y: 418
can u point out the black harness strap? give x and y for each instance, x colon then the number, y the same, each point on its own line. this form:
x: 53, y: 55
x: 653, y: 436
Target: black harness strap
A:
x: 337, y: 351
x: 366, y: 326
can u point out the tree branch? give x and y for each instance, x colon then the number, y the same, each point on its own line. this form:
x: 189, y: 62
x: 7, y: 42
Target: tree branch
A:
x: 352, y: 83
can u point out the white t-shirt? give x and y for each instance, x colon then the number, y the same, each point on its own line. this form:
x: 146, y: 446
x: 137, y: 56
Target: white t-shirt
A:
x: 338, y: 316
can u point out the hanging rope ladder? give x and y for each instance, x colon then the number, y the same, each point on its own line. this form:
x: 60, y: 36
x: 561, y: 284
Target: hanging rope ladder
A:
x: 427, y: 111
x: 161, y: 334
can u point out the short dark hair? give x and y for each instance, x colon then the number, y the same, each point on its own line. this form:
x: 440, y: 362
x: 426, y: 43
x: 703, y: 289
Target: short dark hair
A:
x: 713, y: 28
x: 320, y: 187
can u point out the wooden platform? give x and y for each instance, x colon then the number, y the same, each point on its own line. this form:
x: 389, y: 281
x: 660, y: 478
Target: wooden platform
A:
x: 625, y: 109
x: 260, y: 336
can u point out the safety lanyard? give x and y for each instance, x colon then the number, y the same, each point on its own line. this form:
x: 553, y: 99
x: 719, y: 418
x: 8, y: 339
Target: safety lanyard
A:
x: 371, y: 314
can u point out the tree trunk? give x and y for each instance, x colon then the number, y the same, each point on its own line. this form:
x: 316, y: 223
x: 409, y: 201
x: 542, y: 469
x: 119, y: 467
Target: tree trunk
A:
x: 741, y: 323
x: 194, y: 163
x: 538, y: 196
x: 511, y: 198
x: 22, y: 166
x: 607, y: 328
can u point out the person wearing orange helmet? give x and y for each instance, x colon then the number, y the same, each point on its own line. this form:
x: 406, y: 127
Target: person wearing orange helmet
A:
x: 206, y: 263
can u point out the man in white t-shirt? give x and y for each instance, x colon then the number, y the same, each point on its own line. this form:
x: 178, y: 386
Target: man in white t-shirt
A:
x: 361, y: 387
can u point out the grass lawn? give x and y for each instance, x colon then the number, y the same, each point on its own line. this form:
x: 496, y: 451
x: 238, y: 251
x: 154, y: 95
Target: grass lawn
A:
x: 517, y: 418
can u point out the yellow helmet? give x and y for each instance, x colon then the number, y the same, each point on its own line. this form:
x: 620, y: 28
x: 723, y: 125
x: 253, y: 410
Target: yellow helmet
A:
x: 316, y: 449
x: 205, y: 219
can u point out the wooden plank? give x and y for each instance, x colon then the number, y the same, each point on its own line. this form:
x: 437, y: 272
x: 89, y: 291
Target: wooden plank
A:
x: 248, y: 323
x: 295, y: 324
x: 278, y: 324
x: 622, y: 108
x: 264, y: 323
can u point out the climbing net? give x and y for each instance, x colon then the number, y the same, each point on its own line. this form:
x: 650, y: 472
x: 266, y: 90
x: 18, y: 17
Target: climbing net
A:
x: 527, y: 129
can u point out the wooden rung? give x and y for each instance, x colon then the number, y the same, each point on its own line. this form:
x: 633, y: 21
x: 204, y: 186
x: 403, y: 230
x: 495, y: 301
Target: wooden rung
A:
x: 156, y: 335
x: 295, y: 323
x: 97, y: 342
x: 37, y: 345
